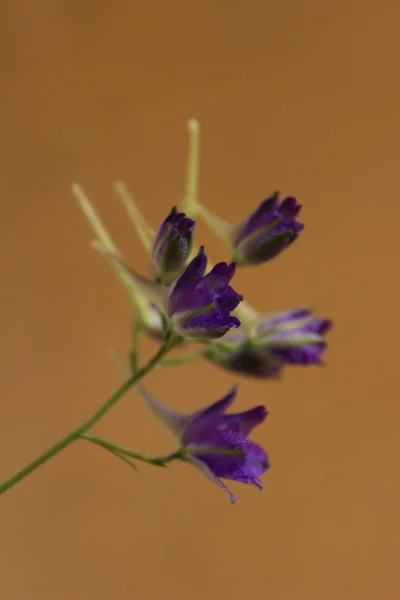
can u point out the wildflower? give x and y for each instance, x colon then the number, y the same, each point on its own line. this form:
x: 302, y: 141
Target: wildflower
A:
x: 196, y: 306
x: 293, y: 337
x: 268, y: 230
x: 172, y: 246
x: 215, y: 442
x: 200, y: 306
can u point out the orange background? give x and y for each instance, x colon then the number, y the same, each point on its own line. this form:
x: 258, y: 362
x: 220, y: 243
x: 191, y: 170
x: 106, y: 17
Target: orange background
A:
x: 299, y: 96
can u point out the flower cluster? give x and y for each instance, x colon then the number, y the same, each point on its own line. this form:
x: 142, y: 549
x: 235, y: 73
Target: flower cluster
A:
x: 186, y: 299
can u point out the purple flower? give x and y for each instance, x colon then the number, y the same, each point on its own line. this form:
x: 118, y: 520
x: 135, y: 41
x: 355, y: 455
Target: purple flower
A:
x: 215, y: 442
x: 294, y: 337
x: 199, y: 305
x: 267, y: 231
x: 196, y: 305
x: 172, y: 246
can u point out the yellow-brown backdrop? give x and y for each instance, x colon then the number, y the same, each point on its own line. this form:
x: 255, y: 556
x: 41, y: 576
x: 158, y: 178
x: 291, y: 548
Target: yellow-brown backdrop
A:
x: 300, y: 96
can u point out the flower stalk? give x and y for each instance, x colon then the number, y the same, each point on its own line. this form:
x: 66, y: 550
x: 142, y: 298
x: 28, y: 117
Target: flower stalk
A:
x: 187, y: 299
x: 80, y: 431
x: 158, y: 461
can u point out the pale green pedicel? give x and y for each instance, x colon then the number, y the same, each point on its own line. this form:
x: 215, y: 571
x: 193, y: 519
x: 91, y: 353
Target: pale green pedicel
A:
x: 80, y: 431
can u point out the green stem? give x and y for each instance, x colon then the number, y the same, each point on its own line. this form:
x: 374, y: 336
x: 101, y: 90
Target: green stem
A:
x: 123, y: 458
x: 96, y: 416
x: 137, y: 334
x: 159, y: 461
x: 183, y: 358
x: 122, y: 366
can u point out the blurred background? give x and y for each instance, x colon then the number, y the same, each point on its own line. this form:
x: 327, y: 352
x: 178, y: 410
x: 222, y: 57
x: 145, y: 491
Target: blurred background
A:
x: 297, y: 96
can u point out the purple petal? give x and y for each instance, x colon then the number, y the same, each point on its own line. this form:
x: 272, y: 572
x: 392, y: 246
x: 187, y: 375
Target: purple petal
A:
x: 233, y: 322
x: 194, y: 270
x: 244, y: 467
x: 211, y: 325
x: 181, y: 222
x: 189, y: 296
x: 289, y: 208
x: 245, y: 422
x: 218, y: 407
x: 264, y: 214
x: 281, y: 338
x: 217, y: 281
x: 299, y: 355
x: 210, y: 430
x: 230, y: 299
x: 197, y: 294
x: 219, y: 277
x: 164, y: 227
x: 197, y: 266
x: 323, y: 326
x: 203, y: 468
x: 278, y: 318
x: 203, y: 427
x: 256, y: 463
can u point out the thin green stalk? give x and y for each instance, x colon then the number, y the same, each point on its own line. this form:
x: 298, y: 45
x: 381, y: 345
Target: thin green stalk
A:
x: 137, y: 335
x: 180, y: 360
x: 122, y: 457
x: 159, y: 461
x: 122, y: 366
x: 93, y: 218
x: 86, y: 425
x: 143, y: 229
x: 107, y: 247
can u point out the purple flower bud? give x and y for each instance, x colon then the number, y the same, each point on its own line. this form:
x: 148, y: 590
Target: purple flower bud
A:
x: 215, y: 442
x: 172, y: 246
x: 267, y: 231
x: 294, y: 337
x: 199, y: 305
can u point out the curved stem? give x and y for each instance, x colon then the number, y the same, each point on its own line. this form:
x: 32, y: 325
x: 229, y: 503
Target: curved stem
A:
x: 122, y: 457
x: 159, y: 461
x: 183, y: 358
x: 93, y: 419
